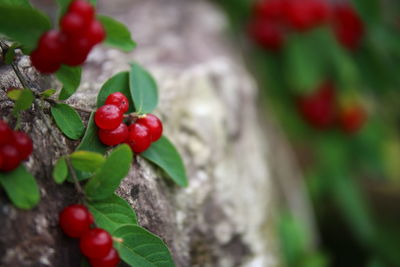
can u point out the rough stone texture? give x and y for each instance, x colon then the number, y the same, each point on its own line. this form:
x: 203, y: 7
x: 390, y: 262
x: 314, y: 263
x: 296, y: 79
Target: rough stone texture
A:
x: 207, y: 104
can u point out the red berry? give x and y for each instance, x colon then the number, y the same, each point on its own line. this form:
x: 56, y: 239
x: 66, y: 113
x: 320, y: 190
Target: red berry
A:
x: 118, y: 99
x: 108, y: 117
x: 320, y: 11
x: 83, y: 8
x: 154, y: 125
x: 114, y: 137
x: 318, y: 109
x: 352, y: 119
x: 23, y: 143
x: 96, y: 243
x: 75, y: 220
x: 73, y: 24
x: 267, y: 34
x: 348, y: 26
x: 271, y: 9
x: 52, y: 46
x: 111, y: 260
x: 1, y: 161
x: 5, y: 133
x: 77, y: 50
x: 95, y: 32
x: 11, y: 158
x: 139, y: 138
x: 40, y: 62
x: 299, y: 15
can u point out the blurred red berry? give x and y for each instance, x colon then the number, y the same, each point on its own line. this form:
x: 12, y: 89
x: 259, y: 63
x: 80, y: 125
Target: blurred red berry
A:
x: 299, y: 15
x: 82, y: 8
x: 319, y: 108
x: 51, y: 46
x: 351, y: 119
x: 96, y: 243
x: 118, y: 99
x: 75, y: 220
x: 267, y: 34
x: 95, y: 32
x: 139, y: 138
x: 154, y: 125
x: 111, y: 260
x: 114, y: 137
x: 23, y: 143
x: 5, y: 133
x: 73, y: 24
x: 39, y: 61
x: 11, y: 157
x: 271, y: 9
x: 348, y: 26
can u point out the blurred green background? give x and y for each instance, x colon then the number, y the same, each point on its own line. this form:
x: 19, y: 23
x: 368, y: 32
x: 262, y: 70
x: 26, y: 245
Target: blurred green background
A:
x: 347, y: 140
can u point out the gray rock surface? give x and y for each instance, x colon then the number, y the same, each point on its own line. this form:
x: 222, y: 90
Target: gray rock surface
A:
x: 207, y: 104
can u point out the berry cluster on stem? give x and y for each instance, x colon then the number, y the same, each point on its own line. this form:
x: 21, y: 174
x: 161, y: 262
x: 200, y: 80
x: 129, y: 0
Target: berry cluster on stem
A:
x: 139, y: 135
x: 79, y: 33
x: 95, y: 243
x: 15, y: 146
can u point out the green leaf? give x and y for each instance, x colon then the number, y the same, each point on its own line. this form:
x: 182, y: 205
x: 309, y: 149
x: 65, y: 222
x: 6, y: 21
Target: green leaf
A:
x: 90, y: 141
x: 70, y: 77
x: 10, y: 55
x: 68, y: 120
x: 24, y: 3
x: 60, y: 171
x: 21, y: 187
x: 117, y: 83
x: 164, y: 154
x: 117, y: 34
x: 24, y: 99
x: 142, y: 248
x: 107, y: 179
x: 47, y: 93
x: 143, y: 89
x: 23, y: 24
x: 14, y: 94
x: 112, y: 213
x: 87, y: 161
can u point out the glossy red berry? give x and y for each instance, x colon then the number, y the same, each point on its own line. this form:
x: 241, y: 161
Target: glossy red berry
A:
x: 139, y: 138
x: 351, y: 119
x: 319, y: 108
x: 114, y: 137
x: 11, y: 157
x: 267, y: 34
x: 95, y: 32
x: 40, y: 62
x: 75, y: 220
x: 348, y: 26
x: 111, y: 260
x: 5, y: 133
x: 82, y: 8
x: 23, y: 143
x: 118, y: 99
x: 96, y: 243
x: 73, y: 24
x: 108, y: 117
x: 154, y: 125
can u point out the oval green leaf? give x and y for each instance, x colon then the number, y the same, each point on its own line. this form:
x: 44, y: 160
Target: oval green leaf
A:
x: 21, y: 187
x: 143, y: 89
x: 23, y: 24
x: 60, y: 171
x: 68, y: 121
x: 87, y: 161
x: 164, y: 154
x: 24, y: 99
x: 142, y: 248
x: 112, y: 213
x: 70, y: 77
x: 90, y: 141
x: 117, y: 34
x: 107, y: 179
x: 117, y: 83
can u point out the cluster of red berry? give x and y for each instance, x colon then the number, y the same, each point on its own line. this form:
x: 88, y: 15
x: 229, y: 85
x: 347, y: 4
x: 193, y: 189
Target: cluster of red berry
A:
x: 95, y: 243
x: 272, y: 19
x: 321, y: 110
x: 80, y: 31
x: 15, y: 146
x: 113, y: 131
